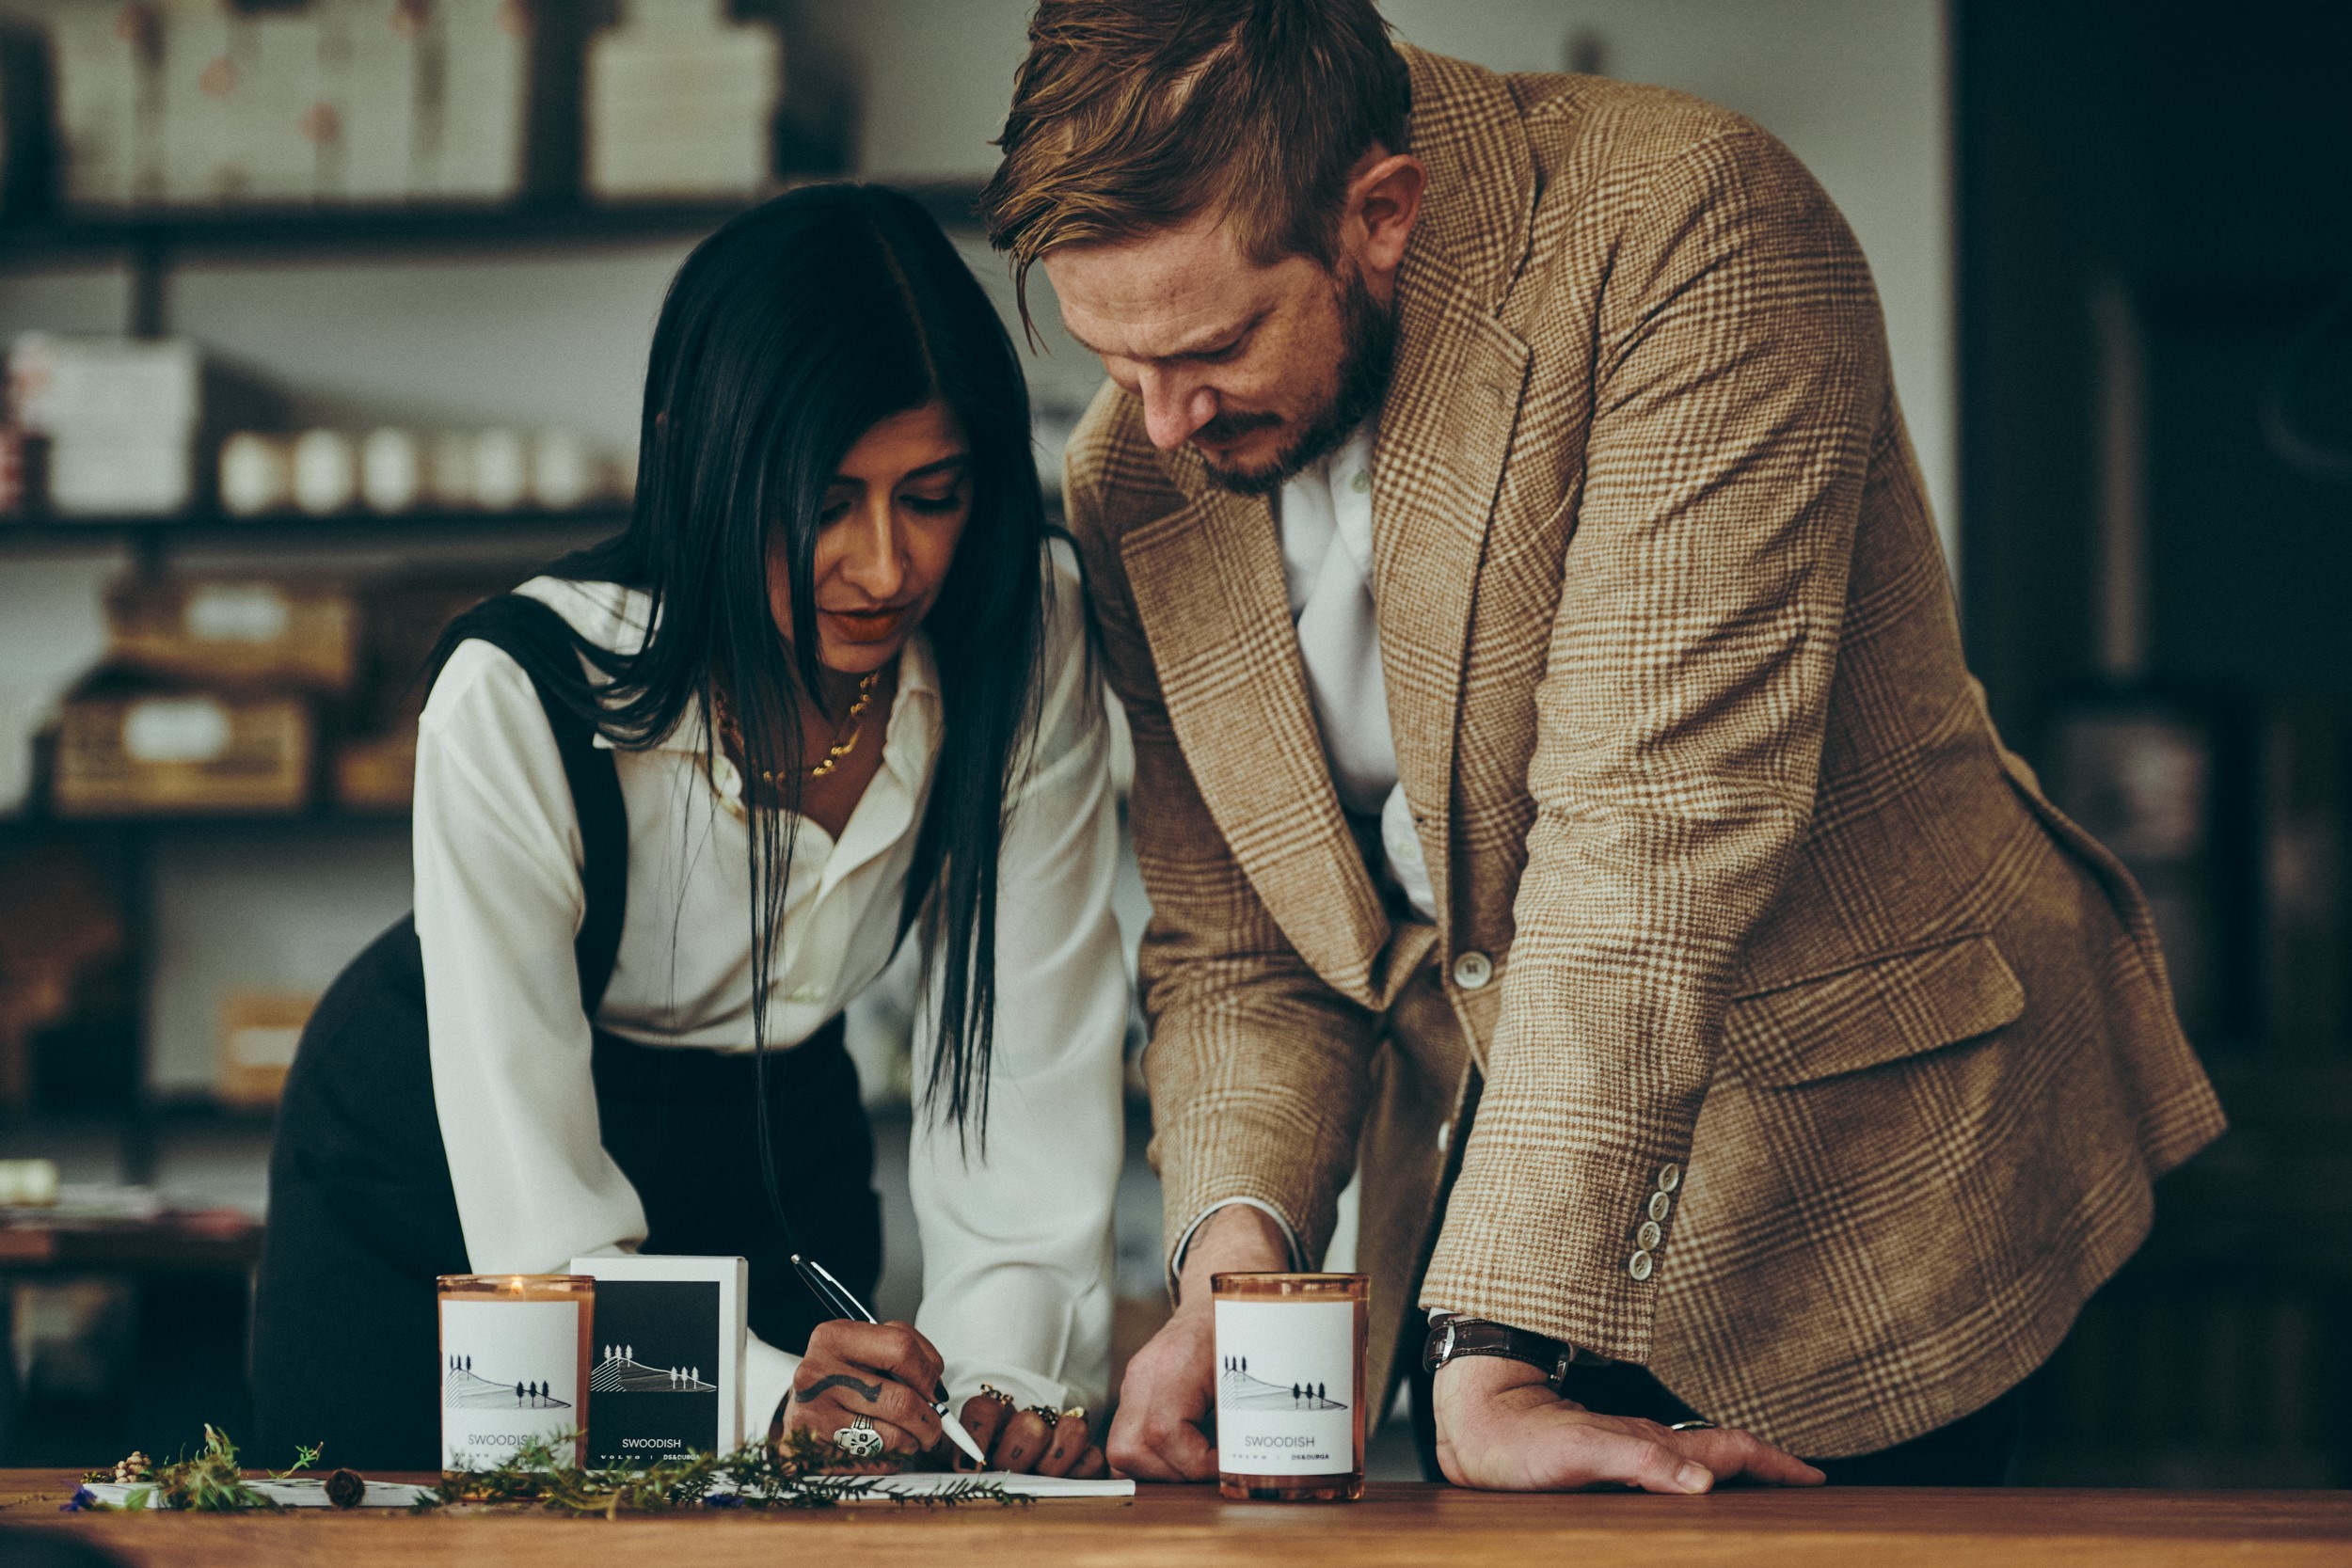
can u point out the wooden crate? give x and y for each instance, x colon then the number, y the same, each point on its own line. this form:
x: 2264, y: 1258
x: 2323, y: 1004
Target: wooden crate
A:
x: 259, y: 1031
x: 239, y: 632
x: 132, y: 756
x: 377, y: 772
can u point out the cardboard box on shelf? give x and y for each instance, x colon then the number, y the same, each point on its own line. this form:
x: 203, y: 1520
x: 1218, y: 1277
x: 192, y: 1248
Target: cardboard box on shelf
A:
x: 129, y: 422
x: 682, y: 102
x: 237, y: 631
x: 239, y: 99
x: 376, y: 769
x: 157, y: 754
x: 107, y: 61
x: 121, y: 417
x: 377, y: 772
x: 118, y: 389
x: 371, y: 77
x: 204, y: 74
x: 474, y: 140
x: 259, y: 1032
x: 276, y: 133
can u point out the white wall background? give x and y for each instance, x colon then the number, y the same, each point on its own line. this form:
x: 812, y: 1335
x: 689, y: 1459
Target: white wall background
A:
x: 1854, y: 86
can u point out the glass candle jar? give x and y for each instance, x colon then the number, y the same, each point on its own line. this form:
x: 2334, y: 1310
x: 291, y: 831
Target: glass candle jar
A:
x: 513, y: 1364
x: 1290, y: 1386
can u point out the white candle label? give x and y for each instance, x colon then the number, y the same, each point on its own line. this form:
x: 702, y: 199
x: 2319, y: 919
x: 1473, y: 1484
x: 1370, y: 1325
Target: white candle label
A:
x: 510, y: 1372
x: 1285, y: 1387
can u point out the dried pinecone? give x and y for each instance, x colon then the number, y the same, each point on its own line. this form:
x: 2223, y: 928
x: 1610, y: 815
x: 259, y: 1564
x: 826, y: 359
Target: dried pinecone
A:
x: 132, y: 1468
x: 346, y: 1488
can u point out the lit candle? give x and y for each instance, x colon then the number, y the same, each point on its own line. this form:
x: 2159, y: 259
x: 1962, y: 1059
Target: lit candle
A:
x: 1290, y: 1386
x: 514, y: 1364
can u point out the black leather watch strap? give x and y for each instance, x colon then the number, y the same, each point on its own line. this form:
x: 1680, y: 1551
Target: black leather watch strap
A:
x: 1451, y: 1338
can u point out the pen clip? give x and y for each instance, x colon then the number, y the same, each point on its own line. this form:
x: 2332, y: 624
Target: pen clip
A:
x: 832, y: 1292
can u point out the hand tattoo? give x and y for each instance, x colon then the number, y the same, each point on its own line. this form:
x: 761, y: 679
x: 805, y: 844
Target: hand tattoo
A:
x: 841, y: 1380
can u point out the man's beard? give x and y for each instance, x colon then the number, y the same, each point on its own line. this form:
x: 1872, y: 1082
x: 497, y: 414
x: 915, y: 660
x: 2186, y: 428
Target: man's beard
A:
x: 1367, y: 360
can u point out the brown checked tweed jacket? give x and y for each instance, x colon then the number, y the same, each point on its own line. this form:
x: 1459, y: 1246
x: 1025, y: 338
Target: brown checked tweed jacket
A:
x: 1826, y: 1065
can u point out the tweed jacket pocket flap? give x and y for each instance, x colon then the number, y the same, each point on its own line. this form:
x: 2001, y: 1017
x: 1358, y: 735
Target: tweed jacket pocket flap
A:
x: 1879, y: 1010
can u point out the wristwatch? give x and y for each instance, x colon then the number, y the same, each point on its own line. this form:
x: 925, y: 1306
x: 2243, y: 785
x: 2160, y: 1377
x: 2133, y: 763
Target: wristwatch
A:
x: 1451, y: 1338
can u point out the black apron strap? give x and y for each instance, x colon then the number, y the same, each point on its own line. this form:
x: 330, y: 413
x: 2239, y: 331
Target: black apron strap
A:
x: 544, y: 643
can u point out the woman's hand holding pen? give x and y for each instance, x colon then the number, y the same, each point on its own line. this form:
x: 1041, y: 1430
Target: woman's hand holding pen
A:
x: 1025, y: 1442
x: 878, y: 1372
x: 883, y: 1372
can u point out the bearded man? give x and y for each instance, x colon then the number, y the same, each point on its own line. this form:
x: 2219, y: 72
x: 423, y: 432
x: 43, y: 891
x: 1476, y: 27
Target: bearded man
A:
x: 1559, y: 788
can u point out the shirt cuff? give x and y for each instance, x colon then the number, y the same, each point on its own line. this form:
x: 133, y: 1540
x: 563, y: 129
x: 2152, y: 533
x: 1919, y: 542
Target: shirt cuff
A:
x: 1184, y: 1243
x: 768, y: 1375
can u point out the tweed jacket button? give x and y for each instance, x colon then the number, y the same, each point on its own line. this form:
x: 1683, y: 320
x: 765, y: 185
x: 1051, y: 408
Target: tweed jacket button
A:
x: 1649, y: 1236
x: 1639, y: 1266
x: 1472, y: 971
x: 1361, y: 482
x: 1669, y: 1177
x: 1660, y: 1206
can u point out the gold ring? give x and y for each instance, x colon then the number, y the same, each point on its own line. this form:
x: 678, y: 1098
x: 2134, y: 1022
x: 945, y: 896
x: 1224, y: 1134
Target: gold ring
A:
x: 1046, y: 1413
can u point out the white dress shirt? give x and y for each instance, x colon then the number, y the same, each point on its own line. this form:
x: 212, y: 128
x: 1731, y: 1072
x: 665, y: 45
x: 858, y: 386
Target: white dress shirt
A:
x: 1016, y: 1247
x: 1325, y: 516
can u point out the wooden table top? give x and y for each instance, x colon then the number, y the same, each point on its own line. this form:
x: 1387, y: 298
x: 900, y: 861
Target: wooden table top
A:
x: 1190, y: 1524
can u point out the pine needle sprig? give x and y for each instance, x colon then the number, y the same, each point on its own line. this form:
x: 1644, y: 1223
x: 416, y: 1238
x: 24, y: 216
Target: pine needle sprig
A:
x: 210, y: 1482
x: 800, y: 1472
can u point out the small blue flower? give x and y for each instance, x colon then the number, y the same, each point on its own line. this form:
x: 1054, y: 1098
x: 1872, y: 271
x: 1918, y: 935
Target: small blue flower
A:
x: 83, y: 1500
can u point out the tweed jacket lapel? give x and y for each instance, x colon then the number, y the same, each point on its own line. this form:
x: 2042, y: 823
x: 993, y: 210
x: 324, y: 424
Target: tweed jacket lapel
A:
x: 1446, y: 426
x: 1208, y: 580
x: 1208, y: 586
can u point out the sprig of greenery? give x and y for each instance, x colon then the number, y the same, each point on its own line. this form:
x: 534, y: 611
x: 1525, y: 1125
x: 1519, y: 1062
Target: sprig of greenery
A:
x: 211, y: 1482
x: 802, y: 1472
x: 305, y: 1457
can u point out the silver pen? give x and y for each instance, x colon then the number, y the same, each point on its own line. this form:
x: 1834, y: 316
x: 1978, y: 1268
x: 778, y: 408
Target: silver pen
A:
x: 837, y: 1296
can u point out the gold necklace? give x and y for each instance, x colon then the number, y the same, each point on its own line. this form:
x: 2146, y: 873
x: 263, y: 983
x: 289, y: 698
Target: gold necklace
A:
x: 733, y: 732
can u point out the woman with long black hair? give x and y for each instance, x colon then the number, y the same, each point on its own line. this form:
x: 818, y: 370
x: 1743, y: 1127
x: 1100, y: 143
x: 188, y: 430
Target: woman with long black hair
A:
x: 677, y: 802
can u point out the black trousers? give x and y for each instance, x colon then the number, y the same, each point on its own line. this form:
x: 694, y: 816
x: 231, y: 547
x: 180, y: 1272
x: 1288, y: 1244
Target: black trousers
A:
x: 362, y: 1216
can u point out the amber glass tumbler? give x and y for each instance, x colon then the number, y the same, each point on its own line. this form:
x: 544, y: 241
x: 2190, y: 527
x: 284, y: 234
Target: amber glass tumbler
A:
x: 513, y: 1364
x: 1291, y: 1415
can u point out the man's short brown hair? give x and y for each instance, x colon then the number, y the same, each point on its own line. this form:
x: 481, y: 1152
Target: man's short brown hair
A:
x: 1135, y: 115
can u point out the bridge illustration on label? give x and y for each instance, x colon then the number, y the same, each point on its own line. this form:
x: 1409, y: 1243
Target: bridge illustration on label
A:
x: 621, y: 1372
x: 1239, y: 1388
x: 463, y: 1388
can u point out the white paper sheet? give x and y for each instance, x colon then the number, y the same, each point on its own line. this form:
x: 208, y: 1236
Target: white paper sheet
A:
x: 285, y: 1494
x: 923, y: 1483
x: 393, y: 1494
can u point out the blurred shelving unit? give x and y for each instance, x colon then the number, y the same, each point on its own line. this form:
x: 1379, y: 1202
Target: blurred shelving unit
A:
x: 153, y: 241
x: 520, y: 534
x: 150, y: 245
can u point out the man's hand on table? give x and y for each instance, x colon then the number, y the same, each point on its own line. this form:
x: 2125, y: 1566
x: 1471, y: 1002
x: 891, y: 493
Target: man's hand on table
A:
x: 1502, y: 1428
x: 1165, y: 1426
